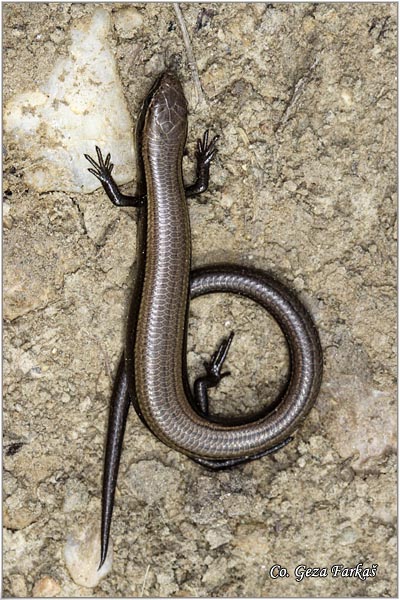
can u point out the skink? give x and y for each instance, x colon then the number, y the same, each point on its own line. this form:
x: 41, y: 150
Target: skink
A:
x: 152, y: 372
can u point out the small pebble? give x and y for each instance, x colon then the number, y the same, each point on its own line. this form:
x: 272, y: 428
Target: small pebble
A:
x: 290, y: 186
x: 46, y: 587
x: 218, y: 537
x: 18, y: 586
x: 82, y: 556
x: 348, y: 536
x: 126, y: 22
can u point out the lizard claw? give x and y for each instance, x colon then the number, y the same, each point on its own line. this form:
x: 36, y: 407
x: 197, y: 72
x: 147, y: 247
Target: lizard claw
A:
x: 206, y: 151
x: 101, y: 169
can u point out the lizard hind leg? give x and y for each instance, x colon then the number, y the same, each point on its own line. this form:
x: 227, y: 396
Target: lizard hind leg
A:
x: 213, y: 375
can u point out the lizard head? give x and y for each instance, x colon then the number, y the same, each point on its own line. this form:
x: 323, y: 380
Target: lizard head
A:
x: 166, y: 114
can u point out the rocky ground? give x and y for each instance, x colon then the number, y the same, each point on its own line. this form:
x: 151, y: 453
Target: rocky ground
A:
x: 303, y: 97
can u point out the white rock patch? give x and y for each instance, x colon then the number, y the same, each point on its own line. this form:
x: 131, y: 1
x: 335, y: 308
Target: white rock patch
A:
x: 81, y: 105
